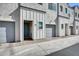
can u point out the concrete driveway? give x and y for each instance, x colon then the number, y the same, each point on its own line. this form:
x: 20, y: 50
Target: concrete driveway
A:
x: 70, y: 51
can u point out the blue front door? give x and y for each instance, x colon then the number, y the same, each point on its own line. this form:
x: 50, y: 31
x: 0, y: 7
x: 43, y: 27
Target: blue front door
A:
x: 26, y: 30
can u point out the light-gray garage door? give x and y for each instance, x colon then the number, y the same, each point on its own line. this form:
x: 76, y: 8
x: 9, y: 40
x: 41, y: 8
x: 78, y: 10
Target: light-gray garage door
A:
x: 9, y: 30
x: 50, y: 30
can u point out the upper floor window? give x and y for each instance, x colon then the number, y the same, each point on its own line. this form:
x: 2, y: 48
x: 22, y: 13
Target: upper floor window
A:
x: 75, y: 14
x: 40, y: 3
x: 52, y: 6
x: 61, y: 8
x: 65, y: 10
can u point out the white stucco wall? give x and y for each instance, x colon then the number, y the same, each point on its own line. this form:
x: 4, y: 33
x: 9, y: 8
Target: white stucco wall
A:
x: 64, y: 5
x: 76, y: 29
x: 51, y: 15
x: 71, y: 11
x: 76, y: 11
x: 76, y: 21
x: 62, y: 21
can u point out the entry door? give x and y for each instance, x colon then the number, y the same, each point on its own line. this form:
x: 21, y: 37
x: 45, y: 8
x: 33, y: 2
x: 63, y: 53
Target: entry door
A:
x: 2, y: 34
x: 66, y: 29
x: 71, y: 30
x: 26, y: 30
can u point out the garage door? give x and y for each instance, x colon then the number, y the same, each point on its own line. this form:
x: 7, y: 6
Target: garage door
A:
x: 8, y: 31
x: 50, y: 30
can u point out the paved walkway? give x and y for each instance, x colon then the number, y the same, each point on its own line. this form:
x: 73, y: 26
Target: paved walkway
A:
x: 38, y: 47
x: 70, y: 51
x: 28, y: 42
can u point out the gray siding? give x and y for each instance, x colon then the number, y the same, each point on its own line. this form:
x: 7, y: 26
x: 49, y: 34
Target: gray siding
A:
x: 16, y: 16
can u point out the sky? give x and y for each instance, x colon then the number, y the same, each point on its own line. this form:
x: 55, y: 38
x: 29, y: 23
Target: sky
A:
x: 73, y: 4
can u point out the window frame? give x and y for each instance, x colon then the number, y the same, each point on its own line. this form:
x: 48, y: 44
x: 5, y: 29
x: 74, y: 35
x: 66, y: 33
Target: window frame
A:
x: 52, y: 6
x: 40, y: 25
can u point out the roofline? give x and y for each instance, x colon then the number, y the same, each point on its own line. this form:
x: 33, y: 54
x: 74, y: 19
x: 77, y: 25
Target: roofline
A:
x: 31, y: 8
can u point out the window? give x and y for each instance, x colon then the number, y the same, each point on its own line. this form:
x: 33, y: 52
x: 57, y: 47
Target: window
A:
x: 62, y: 26
x: 66, y: 10
x: 78, y: 15
x: 40, y: 3
x: 61, y: 8
x: 75, y: 14
x: 52, y: 6
x: 40, y: 25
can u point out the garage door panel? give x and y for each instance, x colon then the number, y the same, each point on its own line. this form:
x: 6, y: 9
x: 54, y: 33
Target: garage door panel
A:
x: 49, y: 32
x: 2, y: 35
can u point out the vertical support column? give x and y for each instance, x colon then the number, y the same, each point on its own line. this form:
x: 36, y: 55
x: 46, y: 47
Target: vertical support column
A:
x: 34, y: 25
x: 17, y: 26
x: 44, y: 26
x: 57, y: 21
x: 74, y: 25
x: 21, y: 25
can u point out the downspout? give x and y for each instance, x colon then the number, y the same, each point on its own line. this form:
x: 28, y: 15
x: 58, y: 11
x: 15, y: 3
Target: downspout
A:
x: 19, y: 19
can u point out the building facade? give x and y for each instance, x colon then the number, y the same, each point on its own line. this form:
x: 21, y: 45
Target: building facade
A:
x: 34, y: 21
x: 76, y: 20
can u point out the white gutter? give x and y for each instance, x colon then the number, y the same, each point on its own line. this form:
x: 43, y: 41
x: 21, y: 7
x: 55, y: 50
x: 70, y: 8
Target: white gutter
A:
x: 6, y: 18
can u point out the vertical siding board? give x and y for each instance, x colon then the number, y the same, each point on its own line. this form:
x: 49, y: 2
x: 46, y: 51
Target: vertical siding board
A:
x: 43, y: 25
x: 41, y: 19
x: 32, y: 15
x: 35, y: 24
x: 39, y: 29
x: 26, y: 14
